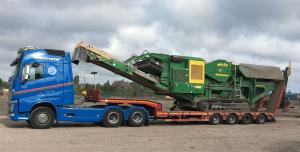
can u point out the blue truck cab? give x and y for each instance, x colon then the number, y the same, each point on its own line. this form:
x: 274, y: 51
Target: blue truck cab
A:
x: 42, y: 93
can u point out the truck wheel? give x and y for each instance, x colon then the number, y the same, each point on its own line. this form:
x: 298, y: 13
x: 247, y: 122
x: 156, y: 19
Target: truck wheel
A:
x: 215, y: 119
x: 137, y: 118
x: 42, y: 118
x: 261, y: 119
x: 113, y: 118
x: 231, y: 119
x: 247, y: 118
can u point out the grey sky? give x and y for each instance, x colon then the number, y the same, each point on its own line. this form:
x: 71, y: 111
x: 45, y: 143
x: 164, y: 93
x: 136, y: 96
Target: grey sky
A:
x: 259, y: 32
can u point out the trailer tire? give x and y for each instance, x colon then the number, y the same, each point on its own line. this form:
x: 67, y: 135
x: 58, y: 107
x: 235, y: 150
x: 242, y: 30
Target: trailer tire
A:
x: 231, y: 119
x: 41, y: 118
x: 137, y: 118
x: 261, y: 119
x: 112, y: 118
x: 215, y: 119
x: 247, y: 119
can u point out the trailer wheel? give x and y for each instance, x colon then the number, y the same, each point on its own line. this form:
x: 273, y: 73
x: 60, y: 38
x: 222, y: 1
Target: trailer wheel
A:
x: 41, y: 118
x: 231, y: 119
x: 215, y: 119
x: 113, y: 118
x: 261, y: 119
x: 137, y: 118
x: 247, y: 118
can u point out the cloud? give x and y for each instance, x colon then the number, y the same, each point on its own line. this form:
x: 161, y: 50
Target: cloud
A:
x: 259, y: 32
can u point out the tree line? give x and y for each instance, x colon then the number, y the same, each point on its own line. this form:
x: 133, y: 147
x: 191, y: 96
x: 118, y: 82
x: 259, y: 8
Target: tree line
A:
x: 119, y: 88
x: 3, y: 84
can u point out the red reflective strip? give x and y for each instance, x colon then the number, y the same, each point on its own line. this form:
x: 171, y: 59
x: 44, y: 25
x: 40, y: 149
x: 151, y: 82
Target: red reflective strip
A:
x: 43, y: 88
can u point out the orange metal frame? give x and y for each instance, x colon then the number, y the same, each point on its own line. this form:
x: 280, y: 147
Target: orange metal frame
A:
x: 180, y: 115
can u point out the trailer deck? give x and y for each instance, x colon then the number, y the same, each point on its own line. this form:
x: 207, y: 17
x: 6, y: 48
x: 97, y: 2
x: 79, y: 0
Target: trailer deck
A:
x: 156, y: 110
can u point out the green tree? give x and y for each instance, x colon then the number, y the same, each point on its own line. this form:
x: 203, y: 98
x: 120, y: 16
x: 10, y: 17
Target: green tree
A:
x: 106, y: 89
x: 1, y: 82
x: 77, y: 86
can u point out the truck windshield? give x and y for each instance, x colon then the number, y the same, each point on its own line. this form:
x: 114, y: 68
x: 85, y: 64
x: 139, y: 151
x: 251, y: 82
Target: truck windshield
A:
x: 16, y: 64
x: 15, y: 70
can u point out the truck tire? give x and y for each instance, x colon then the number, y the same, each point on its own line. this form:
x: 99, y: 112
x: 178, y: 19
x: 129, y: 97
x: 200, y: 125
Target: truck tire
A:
x: 112, y: 118
x: 41, y: 118
x: 137, y: 118
x: 231, y: 119
x: 215, y: 119
x: 247, y: 119
x: 261, y: 119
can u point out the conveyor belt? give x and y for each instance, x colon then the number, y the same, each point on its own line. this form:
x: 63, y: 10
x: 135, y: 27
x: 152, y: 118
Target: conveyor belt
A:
x: 88, y: 53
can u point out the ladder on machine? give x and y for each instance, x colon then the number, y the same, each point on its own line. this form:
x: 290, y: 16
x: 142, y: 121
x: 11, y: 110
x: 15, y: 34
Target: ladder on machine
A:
x: 238, y: 90
x: 237, y: 86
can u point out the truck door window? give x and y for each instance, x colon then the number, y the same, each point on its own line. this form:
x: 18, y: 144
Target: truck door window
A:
x: 35, y: 73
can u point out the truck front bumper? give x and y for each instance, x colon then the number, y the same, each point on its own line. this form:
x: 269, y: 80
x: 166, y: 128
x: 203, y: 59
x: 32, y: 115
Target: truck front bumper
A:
x: 12, y: 111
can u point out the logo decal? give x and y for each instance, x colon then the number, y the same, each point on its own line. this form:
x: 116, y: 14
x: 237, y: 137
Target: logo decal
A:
x: 222, y: 65
x: 52, y: 70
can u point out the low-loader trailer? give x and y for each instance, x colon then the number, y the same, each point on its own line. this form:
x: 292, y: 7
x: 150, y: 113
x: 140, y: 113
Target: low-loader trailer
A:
x: 42, y: 90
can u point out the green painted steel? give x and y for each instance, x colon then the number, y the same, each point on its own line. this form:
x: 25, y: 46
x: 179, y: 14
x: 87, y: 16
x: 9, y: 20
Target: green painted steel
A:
x: 185, y: 78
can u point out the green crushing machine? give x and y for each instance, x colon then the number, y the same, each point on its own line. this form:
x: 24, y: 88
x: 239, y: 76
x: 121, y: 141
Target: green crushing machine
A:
x: 194, y: 83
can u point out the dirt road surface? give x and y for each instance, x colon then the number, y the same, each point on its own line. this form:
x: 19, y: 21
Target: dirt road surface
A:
x: 281, y: 136
x: 3, y: 105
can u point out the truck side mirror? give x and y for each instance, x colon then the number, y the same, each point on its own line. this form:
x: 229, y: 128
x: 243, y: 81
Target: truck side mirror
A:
x: 26, y: 72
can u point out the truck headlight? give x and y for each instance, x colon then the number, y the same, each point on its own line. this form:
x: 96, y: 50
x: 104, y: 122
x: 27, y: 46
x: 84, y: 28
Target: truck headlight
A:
x: 10, y: 108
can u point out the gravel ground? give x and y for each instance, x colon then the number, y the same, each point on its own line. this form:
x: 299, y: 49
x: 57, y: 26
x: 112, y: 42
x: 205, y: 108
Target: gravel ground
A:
x: 3, y: 106
x: 281, y: 136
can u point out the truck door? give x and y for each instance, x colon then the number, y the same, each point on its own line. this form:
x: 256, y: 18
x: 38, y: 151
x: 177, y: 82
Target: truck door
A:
x: 31, y: 84
x: 54, y: 79
x: 37, y: 86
